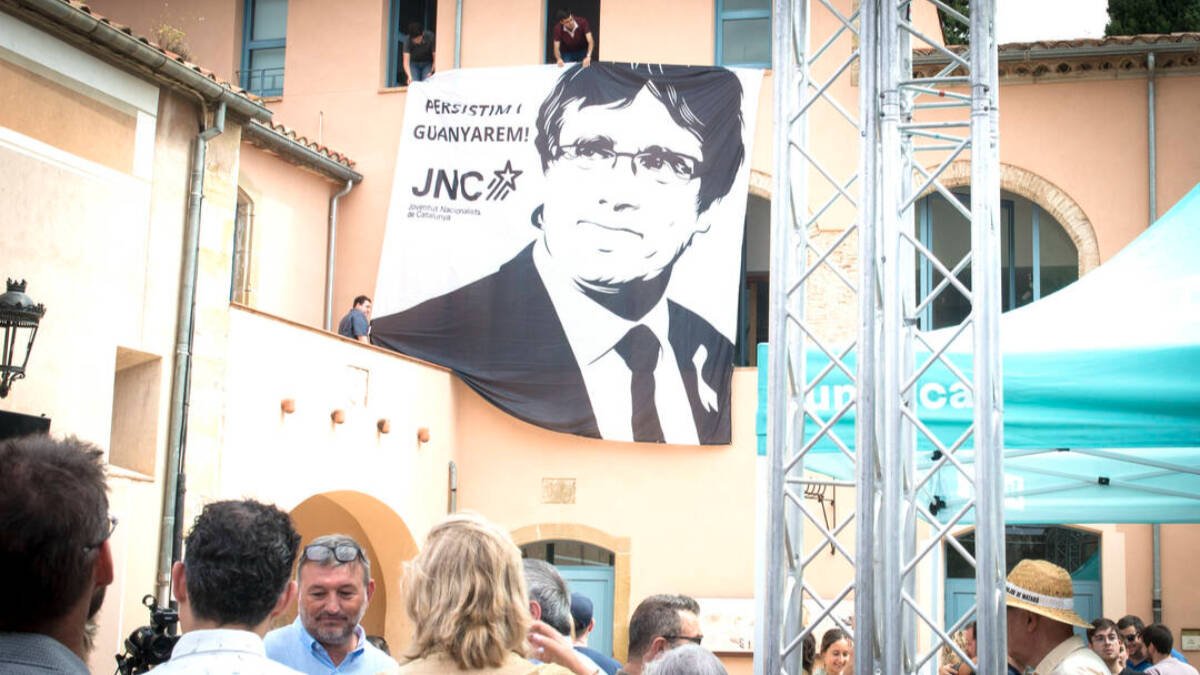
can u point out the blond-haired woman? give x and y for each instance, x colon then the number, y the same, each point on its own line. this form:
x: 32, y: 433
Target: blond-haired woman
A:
x: 465, y: 594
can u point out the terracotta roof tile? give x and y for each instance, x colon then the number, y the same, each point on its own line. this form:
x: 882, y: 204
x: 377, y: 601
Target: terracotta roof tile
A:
x: 84, y: 7
x: 1081, y: 43
x: 1130, y: 40
x: 312, y: 145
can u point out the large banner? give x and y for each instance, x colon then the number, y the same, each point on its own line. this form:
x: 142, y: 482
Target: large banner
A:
x: 568, y: 241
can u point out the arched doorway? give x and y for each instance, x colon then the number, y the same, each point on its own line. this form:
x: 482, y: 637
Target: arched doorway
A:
x: 587, y: 569
x: 586, y: 557
x: 1075, y: 549
x: 387, y: 542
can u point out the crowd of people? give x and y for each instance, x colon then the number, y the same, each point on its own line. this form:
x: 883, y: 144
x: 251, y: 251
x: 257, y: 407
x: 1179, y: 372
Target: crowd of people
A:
x: 475, y: 605
x: 1041, y: 634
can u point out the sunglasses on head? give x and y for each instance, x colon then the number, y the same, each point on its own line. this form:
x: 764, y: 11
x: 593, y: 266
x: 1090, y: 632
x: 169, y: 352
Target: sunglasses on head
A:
x: 342, y: 553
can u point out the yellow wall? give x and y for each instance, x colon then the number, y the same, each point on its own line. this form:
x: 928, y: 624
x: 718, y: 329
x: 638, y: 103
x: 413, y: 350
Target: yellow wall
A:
x: 94, y: 224
x: 289, y: 231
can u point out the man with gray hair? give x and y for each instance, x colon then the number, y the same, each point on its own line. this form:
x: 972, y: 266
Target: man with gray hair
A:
x: 549, y: 599
x: 686, y: 660
x: 335, y: 589
x: 550, y: 603
x: 659, y: 624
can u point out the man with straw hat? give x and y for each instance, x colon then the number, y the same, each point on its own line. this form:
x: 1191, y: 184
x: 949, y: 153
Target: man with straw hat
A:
x: 1041, y: 615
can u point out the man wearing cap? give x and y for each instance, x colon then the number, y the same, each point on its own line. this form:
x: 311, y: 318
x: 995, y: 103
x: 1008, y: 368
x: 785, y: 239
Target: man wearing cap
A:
x: 335, y: 589
x: 581, y: 615
x: 1041, y: 614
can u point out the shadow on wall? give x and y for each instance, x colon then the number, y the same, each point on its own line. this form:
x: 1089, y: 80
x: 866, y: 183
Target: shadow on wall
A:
x: 387, y: 542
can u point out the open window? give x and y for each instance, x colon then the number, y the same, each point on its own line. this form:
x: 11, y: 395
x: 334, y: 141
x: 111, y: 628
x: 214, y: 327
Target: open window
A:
x: 586, y: 9
x: 264, y: 41
x: 402, y: 14
x: 1037, y: 255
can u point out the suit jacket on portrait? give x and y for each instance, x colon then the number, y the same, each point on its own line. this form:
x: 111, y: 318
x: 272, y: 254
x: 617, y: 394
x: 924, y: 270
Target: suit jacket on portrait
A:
x: 501, y: 335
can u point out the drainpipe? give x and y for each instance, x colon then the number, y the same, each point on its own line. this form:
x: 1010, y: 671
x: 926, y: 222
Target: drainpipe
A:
x: 170, y: 536
x: 330, y: 249
x: 1152, y: 137
x: 458, y: 33
x: 1156, y: 602
x: 452, y: 493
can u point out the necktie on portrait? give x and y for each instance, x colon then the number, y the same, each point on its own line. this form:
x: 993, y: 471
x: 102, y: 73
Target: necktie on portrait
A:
x: 639, y: 348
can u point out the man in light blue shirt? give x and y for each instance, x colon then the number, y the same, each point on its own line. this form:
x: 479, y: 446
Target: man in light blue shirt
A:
x: 335, y: 589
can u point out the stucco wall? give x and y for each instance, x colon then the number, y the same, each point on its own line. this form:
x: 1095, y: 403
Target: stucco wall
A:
x: 94, y: 224
x: 289, y: 232
x: 385, y: 488
x: 659, y: 497
x: 271, y: 360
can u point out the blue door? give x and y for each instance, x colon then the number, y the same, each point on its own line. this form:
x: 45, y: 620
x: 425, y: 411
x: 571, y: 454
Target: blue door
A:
x: 596, y: 582
x: 960, y: 595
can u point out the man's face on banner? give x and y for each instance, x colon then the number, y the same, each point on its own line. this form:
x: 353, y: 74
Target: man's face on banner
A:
x: 621, y: 197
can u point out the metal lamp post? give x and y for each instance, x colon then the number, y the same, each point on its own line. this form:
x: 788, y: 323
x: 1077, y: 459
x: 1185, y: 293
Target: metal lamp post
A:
x: 19, y: 318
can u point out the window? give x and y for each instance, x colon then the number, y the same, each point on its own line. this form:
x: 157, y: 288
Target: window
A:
x: 586, y: 9
x: 1078, y: 551
x: 401, y: 13
x: 133, y: 439
x: 1037, y: 256
x: 754, y: 303
x: 744, y: 33
x: 568, y: 552
x: 264, y: 37
x: 243, y: 222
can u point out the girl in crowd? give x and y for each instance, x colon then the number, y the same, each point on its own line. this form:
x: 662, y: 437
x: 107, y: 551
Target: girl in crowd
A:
x: 836, y: 651
x: 466, y: 596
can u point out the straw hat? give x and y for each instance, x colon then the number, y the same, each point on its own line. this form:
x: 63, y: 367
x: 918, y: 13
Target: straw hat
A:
x: 1043, y: 588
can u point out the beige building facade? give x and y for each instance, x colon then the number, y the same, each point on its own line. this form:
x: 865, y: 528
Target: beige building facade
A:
x: 97, y: 144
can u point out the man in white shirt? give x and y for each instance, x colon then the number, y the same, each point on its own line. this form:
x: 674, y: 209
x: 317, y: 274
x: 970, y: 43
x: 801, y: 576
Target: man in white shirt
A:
x: 1158, y: 641
x: 235, y: 577
x: 576, y: 333
x: 1041, y: 614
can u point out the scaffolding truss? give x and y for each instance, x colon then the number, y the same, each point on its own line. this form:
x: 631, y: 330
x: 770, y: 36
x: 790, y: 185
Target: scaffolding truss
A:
x: 843, y: 234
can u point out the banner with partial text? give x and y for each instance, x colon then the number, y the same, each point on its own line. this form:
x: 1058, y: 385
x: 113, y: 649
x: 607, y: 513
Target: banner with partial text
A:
x: 568, y: 241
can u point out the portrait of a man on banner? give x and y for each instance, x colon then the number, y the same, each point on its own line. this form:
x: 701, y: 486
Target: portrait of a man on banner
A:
x: 592, y: 325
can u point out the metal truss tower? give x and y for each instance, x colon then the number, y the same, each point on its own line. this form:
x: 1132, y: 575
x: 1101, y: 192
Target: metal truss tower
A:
x: 831, y: 206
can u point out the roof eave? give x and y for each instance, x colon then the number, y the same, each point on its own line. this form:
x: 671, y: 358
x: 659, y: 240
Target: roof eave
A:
x: 72, y: 23
x: 298, y: 153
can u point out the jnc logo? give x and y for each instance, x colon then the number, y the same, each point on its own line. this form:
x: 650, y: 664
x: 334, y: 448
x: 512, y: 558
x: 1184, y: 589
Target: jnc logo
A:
x: 468, y: 185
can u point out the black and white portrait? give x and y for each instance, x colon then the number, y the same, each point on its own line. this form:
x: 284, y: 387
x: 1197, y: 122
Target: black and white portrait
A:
x: 583, y: 321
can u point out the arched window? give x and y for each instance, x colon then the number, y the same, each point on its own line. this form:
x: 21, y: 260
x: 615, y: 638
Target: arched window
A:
x: 587, y: 569
x: 1037, y: 255
x: 568, y: 552
x: 239, y: 288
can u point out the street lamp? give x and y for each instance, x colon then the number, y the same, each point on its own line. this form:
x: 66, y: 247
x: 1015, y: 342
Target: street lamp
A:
x: 18, y: 316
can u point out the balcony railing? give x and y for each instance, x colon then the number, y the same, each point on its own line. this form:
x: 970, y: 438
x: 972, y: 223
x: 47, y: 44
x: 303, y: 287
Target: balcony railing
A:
x: 262, y: 81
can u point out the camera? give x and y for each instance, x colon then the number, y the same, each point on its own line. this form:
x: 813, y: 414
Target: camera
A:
x: 150, y: 645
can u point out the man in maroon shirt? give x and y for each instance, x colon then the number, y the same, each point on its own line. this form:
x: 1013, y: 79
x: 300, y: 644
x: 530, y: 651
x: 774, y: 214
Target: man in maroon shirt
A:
x: 573, y: 41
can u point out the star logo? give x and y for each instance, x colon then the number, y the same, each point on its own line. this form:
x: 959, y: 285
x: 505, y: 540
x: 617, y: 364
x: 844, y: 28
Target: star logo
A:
x: 505, y: 182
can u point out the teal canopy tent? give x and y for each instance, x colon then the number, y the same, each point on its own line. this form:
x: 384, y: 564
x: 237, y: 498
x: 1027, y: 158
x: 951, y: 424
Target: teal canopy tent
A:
x: 1101, y: 392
